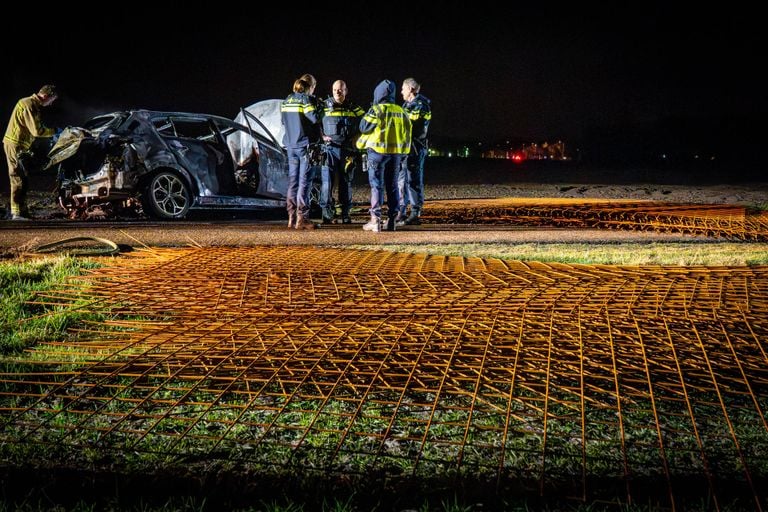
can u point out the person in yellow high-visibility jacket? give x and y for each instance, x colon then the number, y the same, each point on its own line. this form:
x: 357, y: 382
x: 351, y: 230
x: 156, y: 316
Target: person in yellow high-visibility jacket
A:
x: 24, y: 127
x: 386, y: 135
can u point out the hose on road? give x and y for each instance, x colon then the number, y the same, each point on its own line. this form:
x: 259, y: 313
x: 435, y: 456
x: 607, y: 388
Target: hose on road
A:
x: 73, y: 246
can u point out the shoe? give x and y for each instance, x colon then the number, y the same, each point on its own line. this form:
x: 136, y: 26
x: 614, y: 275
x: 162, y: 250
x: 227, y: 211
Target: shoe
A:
x: 413, y: 219
x: 346, y: 220
x: 391, y: 224
x: 291, y: 220
x: 303, y: 223
x: 373, y: 225
x: 16, y: 216
x: 326, y: 220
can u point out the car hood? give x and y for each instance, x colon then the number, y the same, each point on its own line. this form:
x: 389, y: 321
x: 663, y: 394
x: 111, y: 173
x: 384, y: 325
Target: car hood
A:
x: 67, y: 145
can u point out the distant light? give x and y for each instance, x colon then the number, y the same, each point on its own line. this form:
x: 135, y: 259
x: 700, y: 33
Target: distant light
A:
x: 696, y: 157
x: 450, y: 155
x: 664, y: 156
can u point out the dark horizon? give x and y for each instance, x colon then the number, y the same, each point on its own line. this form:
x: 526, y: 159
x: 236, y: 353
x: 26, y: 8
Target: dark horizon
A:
x: 576, y: 73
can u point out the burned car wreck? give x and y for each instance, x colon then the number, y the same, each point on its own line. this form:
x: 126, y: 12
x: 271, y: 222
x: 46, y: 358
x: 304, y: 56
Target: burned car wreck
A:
x: 166, y: 164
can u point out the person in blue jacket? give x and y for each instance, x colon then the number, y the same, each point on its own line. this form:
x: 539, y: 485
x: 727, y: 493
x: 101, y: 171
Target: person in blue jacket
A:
x: 341, y: 121
x: 411, y: 178
x: 300, y: 118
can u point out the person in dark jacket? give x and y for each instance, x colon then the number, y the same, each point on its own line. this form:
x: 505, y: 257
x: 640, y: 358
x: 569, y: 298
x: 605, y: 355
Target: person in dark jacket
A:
x: 341, y: 120
x: 411, y: 178
x: 315, y: 131
x: 386, y: 135
x: 24, y: 127
x: 300, y: 118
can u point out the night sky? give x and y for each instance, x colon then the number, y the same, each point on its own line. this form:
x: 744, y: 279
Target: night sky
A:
x: 528, y: 72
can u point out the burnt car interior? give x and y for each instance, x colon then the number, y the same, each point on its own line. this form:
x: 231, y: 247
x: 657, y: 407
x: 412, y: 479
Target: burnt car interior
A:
x: 198, y: 143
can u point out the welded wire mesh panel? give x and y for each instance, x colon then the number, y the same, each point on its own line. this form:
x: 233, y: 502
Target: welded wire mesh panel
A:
x: 635, y: 381
x: 725, y: 221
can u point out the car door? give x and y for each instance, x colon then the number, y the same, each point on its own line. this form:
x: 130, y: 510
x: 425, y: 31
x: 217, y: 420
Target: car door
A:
x: 263, y: 161
x: 196, y: 145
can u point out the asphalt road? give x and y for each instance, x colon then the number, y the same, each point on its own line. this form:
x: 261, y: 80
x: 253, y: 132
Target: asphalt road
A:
x: 449, y: 179
x: 18, y: 237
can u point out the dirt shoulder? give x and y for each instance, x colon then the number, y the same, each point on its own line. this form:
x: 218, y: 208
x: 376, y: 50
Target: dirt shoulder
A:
x: 484, y: 180
x: 15, y: 240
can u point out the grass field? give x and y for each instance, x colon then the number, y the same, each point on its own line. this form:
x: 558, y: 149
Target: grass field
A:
x: 26, y: 322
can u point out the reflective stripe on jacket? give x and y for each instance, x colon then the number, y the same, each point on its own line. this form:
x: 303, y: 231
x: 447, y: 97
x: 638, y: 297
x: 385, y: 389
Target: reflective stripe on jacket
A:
x: 299, y: 117
x: 386, y: 129
x: 420, y: 113
x: 341, y: 121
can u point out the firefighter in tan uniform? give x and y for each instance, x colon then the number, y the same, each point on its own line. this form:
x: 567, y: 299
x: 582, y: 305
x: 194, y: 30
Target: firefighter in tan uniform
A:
x: 24, y: 127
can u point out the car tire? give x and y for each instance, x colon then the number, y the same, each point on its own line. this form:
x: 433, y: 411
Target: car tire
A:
x: 166, y: 196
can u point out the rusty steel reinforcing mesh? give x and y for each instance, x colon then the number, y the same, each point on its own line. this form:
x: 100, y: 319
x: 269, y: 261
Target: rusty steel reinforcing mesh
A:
x: 724, y: 221
x: 353, y: 361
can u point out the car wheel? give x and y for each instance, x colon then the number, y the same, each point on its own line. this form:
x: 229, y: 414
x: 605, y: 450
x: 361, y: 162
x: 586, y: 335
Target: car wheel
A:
x: 166, y: 196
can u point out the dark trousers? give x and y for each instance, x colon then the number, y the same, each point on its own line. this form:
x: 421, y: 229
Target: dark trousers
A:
x: 382, y: 173
x: 297, y: 196
x: 336, y: 178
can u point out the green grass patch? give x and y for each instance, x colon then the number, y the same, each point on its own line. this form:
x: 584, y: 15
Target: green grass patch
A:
x: 138, y: 431
x: 631, y: 254
x: 158, y: 428
x: 23, y: 323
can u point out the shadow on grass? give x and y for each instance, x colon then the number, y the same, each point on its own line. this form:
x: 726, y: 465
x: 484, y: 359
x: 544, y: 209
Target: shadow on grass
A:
x: 227, y: 490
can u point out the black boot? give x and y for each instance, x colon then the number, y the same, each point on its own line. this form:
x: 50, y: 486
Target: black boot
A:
x: 413, y: 219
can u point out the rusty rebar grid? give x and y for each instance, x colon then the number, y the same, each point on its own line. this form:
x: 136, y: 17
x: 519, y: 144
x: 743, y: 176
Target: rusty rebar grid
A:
x: 722, y: 221
x: 354, y: 361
